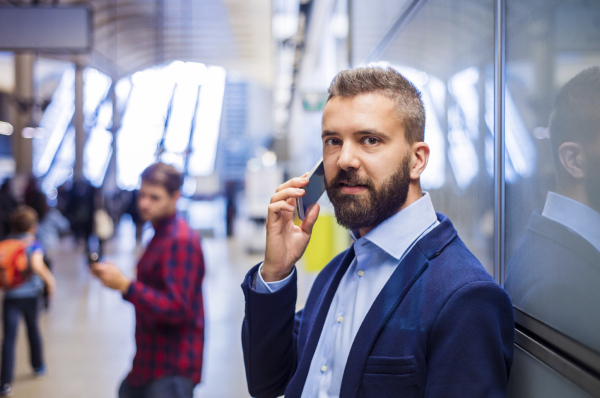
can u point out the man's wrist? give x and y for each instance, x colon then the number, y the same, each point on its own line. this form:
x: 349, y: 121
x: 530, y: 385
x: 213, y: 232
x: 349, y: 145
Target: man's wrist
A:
x: 125, y: 285
x: 274, y: 276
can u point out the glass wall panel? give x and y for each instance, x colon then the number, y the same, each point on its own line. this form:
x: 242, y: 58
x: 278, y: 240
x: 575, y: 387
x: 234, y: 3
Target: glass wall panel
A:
x: 553, y: 164
x: 371, y: 21
x: 447, y: 51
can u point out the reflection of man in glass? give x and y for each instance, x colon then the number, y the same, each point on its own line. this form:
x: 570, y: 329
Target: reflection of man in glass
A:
x: 554, y: 274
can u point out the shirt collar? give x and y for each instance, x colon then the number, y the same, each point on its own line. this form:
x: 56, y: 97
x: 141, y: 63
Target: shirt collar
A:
x: 581, y: 219
x: 162, y: 226
x: 397, y: 233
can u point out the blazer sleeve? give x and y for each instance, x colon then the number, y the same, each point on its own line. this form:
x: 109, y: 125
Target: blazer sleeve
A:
x: 269, y: 335
x: 470, y: 348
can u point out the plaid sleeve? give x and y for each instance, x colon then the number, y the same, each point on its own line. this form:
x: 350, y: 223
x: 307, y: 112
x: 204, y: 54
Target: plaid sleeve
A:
x: 182, y: 269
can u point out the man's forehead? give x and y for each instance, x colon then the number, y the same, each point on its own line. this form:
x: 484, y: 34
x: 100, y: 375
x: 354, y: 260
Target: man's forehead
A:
x: 153, y: 188
x: 363, y: 110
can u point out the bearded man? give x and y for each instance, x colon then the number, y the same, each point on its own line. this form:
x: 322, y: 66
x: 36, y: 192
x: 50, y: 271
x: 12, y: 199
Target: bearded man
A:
x: 407, y: 310
x: 554, y: 274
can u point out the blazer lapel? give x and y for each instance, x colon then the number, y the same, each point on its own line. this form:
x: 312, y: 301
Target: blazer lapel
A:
x: 406, y: 274
x: 295, y: 386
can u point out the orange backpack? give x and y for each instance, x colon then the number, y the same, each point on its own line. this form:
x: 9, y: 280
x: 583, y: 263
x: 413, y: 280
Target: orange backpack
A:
x: 14, y: 264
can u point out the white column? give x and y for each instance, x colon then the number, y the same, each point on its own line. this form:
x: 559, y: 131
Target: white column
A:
x: 22, y: 111
x: 78, y: 123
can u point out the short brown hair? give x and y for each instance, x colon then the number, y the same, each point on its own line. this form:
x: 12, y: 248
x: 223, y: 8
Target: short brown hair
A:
x: 164, y: 175
x: 575, y: 117
x: 23, y: 219
x: 389, y: 82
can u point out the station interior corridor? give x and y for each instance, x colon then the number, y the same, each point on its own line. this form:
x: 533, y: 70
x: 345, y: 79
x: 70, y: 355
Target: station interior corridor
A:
x: 88, y: 333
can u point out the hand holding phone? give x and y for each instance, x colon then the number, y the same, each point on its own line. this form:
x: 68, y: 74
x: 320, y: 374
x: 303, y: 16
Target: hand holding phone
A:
x: 314, y: 190
x: 286, y: 241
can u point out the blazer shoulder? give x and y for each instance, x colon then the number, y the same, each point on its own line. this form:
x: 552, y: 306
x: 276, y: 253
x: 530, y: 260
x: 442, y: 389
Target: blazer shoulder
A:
x: 456, y: 266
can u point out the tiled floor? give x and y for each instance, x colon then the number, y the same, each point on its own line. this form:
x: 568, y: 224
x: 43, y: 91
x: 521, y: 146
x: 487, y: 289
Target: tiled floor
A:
x: 88, y: 333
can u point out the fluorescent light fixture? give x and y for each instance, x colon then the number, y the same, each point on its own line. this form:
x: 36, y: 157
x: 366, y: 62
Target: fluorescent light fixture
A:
x: 185, y: 101
x: 122, y: 90
x: 189, y: 186
x: 6, y: 128
x: 520, y: 150
x: 174, y: 159
x: 143, y: 124
x: 62, y: 167
x: 462, y: 155
x: 55, y: 121
x: 463, y: 88
x: 434, y: 175
x: 463, y: 126
x: 98, y: 147
x: 207, y: 123
x: 95, y: 88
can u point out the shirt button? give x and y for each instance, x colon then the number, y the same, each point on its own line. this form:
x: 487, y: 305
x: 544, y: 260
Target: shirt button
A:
x: 324, y: 368
x: 361, y: 272
x: 340, y: 319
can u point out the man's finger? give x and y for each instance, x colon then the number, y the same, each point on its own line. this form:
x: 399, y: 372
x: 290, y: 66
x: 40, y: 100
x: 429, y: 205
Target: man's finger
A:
x: 280, y: 206
x: 296, y: 182
x: 311, y: 218
x: 287, y: 194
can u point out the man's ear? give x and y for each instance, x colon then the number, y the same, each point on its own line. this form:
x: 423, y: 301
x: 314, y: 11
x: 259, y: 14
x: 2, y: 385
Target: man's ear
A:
x: 570, y: 155
x: 420, y: 157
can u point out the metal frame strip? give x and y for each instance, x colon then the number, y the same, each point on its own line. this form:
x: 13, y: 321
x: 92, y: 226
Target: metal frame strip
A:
x: 403, y: 20
x: 571, y: 371
x: 576, y: 352
x: 499, y: 145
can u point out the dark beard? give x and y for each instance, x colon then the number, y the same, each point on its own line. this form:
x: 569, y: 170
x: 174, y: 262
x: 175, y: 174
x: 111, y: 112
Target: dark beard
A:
x: 354, y: 212
x: 592, y: 181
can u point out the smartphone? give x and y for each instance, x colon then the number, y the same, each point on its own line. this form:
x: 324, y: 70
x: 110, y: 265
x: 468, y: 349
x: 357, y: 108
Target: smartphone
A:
x: 314, y: 190
x: 93, y: 258
x: 95, y: 250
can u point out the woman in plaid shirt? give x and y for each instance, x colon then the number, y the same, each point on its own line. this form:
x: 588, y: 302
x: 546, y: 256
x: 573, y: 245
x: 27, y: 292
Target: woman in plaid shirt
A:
x: 167, y: 295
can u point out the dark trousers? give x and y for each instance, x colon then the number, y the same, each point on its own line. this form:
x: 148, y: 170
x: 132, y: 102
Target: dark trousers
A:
x: 171, y: 387
x: 12, y: 310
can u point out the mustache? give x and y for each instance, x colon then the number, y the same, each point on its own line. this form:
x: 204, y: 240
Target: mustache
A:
x: 351, y: 177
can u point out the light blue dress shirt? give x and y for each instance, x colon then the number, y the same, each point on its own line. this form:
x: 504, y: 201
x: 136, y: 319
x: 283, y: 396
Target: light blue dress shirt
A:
x: 378, y: 253
x: 581, y: 219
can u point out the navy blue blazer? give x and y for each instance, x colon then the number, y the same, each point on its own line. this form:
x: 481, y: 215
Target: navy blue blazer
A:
x: 441, y: 327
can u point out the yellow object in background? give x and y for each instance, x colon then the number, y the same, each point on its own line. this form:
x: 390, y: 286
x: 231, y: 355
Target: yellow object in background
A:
x: 328, y: 239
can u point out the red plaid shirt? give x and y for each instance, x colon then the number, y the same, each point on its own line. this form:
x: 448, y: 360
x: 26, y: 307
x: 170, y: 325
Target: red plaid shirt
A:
x: 169, y: 310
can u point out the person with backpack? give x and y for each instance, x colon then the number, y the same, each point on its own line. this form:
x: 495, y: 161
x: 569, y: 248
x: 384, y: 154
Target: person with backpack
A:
x: 22, y: 275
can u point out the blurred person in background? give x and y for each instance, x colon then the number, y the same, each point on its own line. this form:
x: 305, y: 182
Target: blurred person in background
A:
x: 79, y: 210
x: 554, y: 274
x: 24, y: 299
x: 7, y: 205
x: 51, y: 226
x: 167, y: 295
x: 407, y: 310
x: 133, y: 211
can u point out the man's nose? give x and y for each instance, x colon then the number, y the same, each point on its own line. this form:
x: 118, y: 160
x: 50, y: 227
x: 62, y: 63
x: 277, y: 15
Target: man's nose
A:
x: 348, y: 157
x: 142, y: 203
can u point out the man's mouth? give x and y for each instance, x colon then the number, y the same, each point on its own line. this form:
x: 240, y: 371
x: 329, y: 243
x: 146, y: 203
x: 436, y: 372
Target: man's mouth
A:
x: 351, y: 188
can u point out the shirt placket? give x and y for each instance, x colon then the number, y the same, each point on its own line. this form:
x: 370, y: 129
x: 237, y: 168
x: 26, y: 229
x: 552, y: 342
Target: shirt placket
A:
x: 348, y: 290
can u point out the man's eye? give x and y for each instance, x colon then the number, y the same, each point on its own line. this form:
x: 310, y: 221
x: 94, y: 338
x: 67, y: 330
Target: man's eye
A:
x: 332, y: 141
x: 370, y: 141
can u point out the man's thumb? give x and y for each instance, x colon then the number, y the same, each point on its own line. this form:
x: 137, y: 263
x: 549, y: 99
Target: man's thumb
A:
x: 311, y: 218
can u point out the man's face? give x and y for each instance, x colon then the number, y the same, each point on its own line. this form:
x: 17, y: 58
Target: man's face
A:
x: 155, y: 203
x: 366, y: 158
